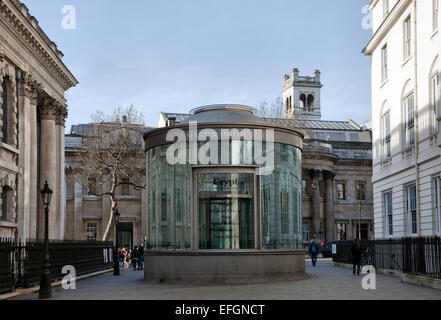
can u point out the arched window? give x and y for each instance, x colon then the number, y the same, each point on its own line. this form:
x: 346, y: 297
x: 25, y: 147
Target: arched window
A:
x: 310, y: 102
x: 303, y: 102
x: 5, y: 110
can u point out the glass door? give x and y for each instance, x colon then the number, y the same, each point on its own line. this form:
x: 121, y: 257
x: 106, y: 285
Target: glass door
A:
x: 226, y: 211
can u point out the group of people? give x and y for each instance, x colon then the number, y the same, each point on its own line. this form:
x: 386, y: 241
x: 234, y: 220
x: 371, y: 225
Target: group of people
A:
x: 131, y: 258
x: 355, y: 251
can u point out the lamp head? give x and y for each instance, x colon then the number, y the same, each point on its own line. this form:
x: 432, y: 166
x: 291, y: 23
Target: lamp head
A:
x: 46, y: 194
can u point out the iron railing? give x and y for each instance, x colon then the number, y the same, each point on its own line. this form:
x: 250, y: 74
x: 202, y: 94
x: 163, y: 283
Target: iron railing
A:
x: 417, y: 256
x: 22, y: 263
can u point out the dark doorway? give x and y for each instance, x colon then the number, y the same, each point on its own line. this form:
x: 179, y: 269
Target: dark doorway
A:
x: 364, y: 231
x: 125, y: 234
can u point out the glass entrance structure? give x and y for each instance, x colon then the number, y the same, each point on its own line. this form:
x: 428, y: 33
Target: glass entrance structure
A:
x: 223, y: 191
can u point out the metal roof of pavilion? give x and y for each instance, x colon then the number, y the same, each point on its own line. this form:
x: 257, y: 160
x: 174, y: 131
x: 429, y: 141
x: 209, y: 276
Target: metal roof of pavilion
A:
x: 292, y: 123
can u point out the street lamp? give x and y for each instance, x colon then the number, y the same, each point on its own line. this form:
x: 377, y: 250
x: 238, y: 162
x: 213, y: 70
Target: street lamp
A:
x: 45, y: 281
x: 116, y: 216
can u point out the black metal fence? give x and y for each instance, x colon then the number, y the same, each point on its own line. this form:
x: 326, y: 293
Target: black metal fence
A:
x: 22, y: 263
x: 417, y: 256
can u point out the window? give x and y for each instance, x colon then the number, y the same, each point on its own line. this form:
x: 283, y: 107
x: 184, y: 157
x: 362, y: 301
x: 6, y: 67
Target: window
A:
x: 385, y: 8
x: 341, y: 231
x: 384, y: 63
x: 435, y: 90
x: 360, y: 191
x: 437, y: 202
x: 5, y: 111
x: 305, y: 187
x: 125, y: 191
x: 435, y: 14
x: 407, y: 37
x: 341, y: 192
x: 411, y: 209
x: 303, y: 101
x: 409, y: 120
x: 386, y: 135
x: 306, y: 227
x: 388, y: 210
x: 91, y: 232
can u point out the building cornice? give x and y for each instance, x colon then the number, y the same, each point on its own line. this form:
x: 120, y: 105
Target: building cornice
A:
x: 15, y: 15
x: 385, y: 27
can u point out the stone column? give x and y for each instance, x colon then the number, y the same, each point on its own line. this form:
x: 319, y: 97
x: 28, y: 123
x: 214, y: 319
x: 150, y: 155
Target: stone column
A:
x: 48, y: 164
x: 60, y: 129
x: 34, y: 194
x: 77, y: 227
x: 329, y: 209
x: 24, y: 179
x: 315, y: 175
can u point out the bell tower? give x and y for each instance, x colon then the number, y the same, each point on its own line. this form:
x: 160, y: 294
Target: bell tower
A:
x: 301, y: 96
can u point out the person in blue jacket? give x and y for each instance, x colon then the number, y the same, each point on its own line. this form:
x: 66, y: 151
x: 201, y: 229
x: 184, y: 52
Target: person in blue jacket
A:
x: 313, y: 252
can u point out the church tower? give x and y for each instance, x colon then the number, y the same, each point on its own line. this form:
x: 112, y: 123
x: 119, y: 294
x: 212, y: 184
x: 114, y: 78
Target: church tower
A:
x: 301, y: 96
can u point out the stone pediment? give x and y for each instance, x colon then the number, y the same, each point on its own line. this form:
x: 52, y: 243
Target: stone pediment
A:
x: 15, y: 15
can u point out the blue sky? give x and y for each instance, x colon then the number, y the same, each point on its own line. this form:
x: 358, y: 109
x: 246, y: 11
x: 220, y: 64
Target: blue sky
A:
x: 174, y: 55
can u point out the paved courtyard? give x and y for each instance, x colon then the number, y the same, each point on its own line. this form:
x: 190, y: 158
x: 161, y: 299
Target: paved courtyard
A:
x: 323, y: 282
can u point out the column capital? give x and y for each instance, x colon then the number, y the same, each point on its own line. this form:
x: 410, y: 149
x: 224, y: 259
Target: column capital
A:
x: 30, y: 87
x: 62, y: 113
x: 329, y: 175
x: 314, y: 173
x: 49, y: 109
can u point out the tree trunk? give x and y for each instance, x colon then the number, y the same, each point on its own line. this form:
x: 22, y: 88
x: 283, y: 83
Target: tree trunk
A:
x: 109, y: 223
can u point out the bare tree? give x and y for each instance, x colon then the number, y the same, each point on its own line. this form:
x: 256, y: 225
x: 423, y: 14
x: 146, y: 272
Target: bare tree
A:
x: 271, y: 111
x: 274, y: 112
x: 112, y: 155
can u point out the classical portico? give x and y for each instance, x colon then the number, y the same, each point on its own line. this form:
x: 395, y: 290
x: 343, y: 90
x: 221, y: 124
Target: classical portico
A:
x: 33, y: 81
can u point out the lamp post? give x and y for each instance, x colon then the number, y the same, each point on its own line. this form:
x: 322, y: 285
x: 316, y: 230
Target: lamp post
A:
x: 116, y: 216
x: 45, y: 281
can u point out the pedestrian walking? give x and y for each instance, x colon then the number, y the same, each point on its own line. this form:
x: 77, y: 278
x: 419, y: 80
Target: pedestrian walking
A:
x: 122, y: 257
x: 356, y: 256
x: 128, y: 258
x: 141, y: 258
x: 134, y: 255
x: 313, y: 251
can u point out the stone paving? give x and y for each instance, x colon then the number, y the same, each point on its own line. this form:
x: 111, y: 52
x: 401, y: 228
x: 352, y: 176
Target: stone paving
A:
x: 324, y: 282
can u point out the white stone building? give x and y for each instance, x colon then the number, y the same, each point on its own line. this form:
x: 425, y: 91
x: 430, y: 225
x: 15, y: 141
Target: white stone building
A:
x: 405, y: 51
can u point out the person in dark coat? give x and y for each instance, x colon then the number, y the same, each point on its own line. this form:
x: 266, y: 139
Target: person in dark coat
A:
x: 356, y: 256
x: 141, y: 257
x: 134, y: 255
x: 313, y: 251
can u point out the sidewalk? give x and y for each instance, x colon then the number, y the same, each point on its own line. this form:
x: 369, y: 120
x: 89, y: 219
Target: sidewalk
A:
x: 325, y: 282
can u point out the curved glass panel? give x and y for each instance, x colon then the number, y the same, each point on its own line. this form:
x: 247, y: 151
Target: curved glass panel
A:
x: 225, y: 202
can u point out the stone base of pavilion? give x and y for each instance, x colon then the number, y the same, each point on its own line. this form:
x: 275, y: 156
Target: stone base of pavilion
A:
x: 223, y: 267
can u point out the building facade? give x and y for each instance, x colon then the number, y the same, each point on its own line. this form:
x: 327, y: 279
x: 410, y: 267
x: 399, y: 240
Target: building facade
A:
x: 33, y: 82
x: 87, y: 215
x: 337, y: 190
x: 405, y: 51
